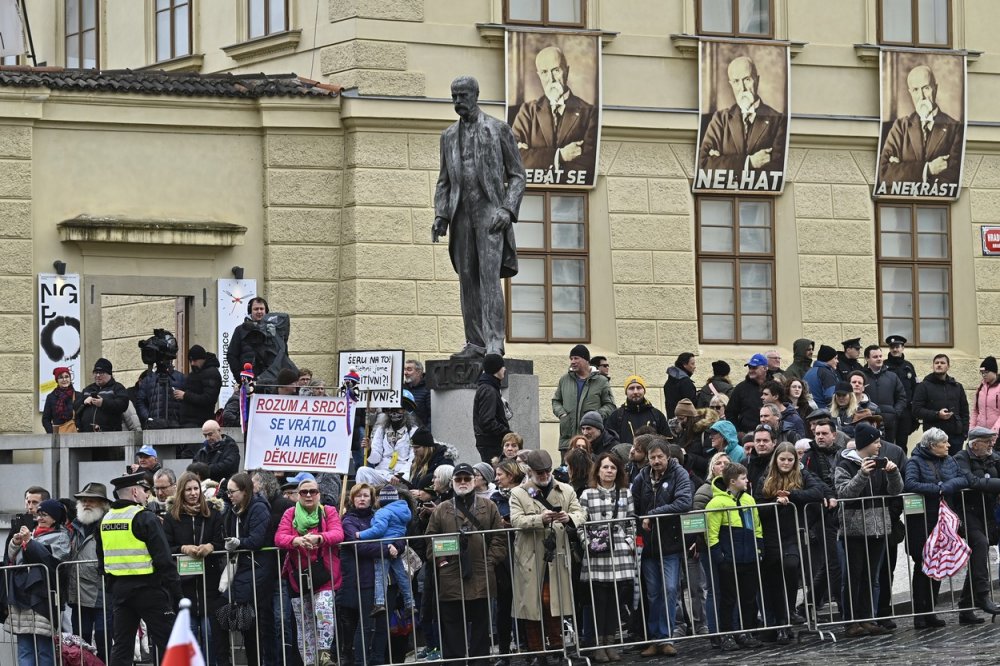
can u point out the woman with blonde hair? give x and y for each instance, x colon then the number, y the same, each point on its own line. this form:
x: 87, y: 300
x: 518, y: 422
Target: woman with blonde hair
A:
x: 788, y: 488
x: 194, y: 531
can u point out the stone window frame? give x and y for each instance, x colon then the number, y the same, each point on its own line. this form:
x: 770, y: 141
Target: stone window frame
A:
x: 171, y: 9
x: 915, y: 27
x: 548, y: 254
x: 265, y: 7
x: 735, y: 33
x: 736, y: 258
x: 914, y: 263
x: 545, y: 22
x: 80, y: 33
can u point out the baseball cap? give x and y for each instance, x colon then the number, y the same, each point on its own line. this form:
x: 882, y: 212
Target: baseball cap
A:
x: 756, y: 361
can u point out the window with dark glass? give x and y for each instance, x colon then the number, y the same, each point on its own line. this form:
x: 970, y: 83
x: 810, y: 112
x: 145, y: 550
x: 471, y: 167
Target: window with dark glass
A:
x: 81, y: 34
x: 547, y: 301
x: 736, y: 18
x: 914, y: 273
x: 266, y: 17
x: 173, y: 29
x: 568, y: 13
x: 915, y: 22
x: 735, y: 257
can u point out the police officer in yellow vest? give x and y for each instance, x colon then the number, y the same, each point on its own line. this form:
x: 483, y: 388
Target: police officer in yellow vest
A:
x: 141, y: 575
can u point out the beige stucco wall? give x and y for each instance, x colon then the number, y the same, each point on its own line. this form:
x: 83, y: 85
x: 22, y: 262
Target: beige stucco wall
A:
x: 271, y: 166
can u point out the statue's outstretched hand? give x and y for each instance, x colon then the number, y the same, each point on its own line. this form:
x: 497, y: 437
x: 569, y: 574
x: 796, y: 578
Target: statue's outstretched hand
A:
x: 439, y: 229
x: 500, y: 222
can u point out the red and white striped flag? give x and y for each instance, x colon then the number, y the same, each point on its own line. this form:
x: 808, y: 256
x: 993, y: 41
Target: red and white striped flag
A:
x: 182, y: 649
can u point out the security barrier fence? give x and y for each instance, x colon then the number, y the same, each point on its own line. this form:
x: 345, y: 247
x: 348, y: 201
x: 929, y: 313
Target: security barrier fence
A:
x: 735, y: 576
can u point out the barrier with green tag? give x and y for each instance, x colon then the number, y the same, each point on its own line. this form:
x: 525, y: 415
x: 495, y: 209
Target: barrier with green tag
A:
x: 693, y: 524
x: 190, y: 566
x: 446, y: 545
x: 913, y: 504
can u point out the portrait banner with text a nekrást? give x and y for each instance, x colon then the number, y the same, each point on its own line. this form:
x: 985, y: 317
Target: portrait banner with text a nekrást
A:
x: 922, y: 138
x: 554, y: 105
x: 743, y: 106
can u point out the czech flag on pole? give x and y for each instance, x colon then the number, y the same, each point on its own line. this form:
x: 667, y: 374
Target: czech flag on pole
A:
x: 183, y: 650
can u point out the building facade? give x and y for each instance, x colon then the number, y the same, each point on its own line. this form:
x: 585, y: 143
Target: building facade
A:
x: 336, y: 194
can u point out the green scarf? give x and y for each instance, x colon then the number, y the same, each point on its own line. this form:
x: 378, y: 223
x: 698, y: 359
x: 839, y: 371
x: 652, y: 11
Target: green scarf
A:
x: 305, y: 521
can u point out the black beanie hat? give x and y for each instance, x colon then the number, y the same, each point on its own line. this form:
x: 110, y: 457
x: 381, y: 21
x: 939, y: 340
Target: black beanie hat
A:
x: 581, y: 351
x: 492, y: 363
x: 989, y: 364
x: 826, y: 353
x: 720, y: 368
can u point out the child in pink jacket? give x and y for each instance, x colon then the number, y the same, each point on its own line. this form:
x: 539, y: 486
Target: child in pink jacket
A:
x: 986, y: 404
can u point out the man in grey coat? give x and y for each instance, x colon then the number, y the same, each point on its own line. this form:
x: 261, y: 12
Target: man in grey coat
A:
x: 478, y: 195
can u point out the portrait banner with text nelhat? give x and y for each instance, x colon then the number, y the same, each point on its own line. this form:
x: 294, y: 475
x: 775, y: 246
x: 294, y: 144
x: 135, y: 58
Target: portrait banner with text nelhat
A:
x: 743, y: 106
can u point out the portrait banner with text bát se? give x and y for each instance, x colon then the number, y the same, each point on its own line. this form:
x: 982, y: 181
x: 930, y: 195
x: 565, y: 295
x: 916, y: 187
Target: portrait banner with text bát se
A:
x: 554, y: 105
x: 922, y: 136
x: 743, y: 102
x: 295, y: 432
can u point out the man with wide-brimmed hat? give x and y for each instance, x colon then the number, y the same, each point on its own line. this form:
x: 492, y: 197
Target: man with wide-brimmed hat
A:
x: 133, y: 553
x: 91, y: 616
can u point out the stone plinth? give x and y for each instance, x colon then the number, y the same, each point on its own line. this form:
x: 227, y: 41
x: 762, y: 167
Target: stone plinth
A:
x: 453, y: 390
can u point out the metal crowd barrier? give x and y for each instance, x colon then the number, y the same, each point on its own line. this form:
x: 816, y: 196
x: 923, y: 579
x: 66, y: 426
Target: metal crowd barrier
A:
x: 900, y: 548
x: 807, y: 567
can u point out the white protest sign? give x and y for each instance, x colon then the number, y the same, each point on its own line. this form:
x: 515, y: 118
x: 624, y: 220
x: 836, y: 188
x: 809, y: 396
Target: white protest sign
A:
x: 290, y: 432
x: 59, y: 340
x: 381, y: 374
x: 231, y: 309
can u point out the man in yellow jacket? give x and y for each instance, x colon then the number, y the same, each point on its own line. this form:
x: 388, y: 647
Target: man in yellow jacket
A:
x: 141, y: 575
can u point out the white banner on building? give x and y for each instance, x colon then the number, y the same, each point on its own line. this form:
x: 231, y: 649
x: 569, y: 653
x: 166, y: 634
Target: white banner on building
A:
x: 234, y: 296
x: 59, y: 339
x: 381, y: 374
x: 11, y: 33
x: 298, y: 433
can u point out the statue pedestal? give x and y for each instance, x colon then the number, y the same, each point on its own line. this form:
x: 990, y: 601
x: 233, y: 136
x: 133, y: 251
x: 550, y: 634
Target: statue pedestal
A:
x: 453, y: 390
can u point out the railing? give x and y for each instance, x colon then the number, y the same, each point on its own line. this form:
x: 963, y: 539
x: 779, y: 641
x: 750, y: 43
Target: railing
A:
x: 704, y: 581
x: 62, y: 464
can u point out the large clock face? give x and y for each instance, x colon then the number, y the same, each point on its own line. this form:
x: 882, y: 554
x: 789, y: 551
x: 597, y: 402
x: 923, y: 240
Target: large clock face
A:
x: 234, y: 297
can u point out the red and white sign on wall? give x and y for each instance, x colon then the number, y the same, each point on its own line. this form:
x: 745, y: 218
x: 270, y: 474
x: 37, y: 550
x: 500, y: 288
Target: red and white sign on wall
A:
x: 991, y: 241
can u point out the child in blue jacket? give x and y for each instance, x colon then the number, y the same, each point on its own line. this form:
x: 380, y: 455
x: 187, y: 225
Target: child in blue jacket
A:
x: 390, y: 522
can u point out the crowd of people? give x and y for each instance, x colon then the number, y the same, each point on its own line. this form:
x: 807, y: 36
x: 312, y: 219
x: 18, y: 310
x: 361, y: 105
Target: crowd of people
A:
x: 798, y: 473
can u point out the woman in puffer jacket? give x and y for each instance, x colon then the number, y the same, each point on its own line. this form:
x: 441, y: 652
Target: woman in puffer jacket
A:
x: 312, y: 532
x: 31, y: 603
x: 935, y: 475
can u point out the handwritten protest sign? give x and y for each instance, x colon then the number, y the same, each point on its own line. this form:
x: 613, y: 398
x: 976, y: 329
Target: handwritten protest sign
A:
x: 298, y: 433
x: 381, y: 374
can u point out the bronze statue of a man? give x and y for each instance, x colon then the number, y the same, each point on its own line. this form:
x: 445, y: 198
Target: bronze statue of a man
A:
x: 478, y: 195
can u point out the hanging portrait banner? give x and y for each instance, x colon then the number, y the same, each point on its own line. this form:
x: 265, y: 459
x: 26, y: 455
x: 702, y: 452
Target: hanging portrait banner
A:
x: 554, y: 105
x: 743, y: 102
x: 922, y: 139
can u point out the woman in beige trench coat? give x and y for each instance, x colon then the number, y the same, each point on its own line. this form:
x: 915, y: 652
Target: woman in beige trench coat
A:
x: 543, y: 591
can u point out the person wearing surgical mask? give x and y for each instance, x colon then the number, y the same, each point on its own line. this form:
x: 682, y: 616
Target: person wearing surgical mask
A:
x: 390, y: 456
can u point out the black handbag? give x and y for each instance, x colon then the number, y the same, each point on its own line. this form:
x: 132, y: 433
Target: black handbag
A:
x: 236, y: 617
